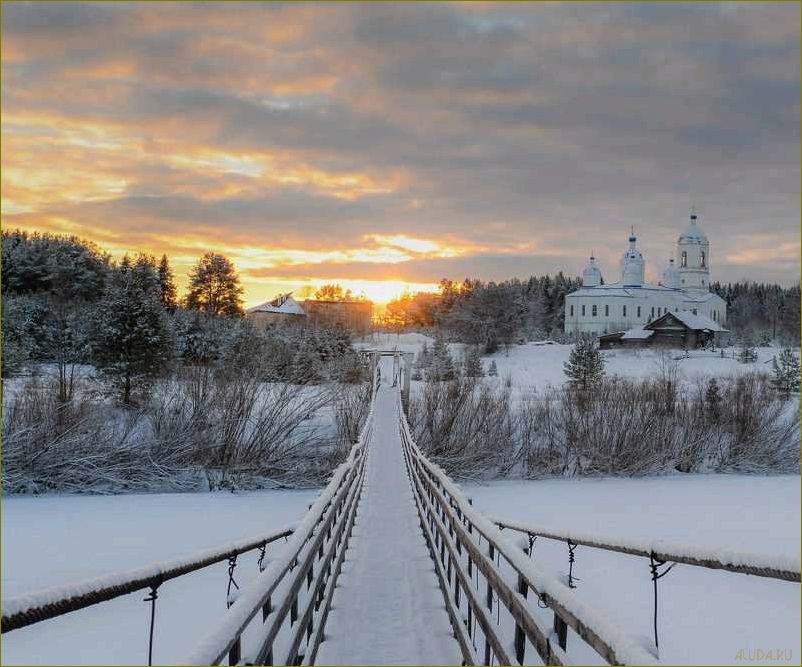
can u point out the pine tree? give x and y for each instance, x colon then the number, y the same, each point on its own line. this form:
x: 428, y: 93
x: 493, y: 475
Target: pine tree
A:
x: 214, y: 286
x: 493, y: 370
x: 472, y: 363
x: 713, y: 399
x: 746, y: 352
x: 169, y: 293
x: 131, y: 341
x: 585, y: 366
x: 441, y: 368
x: 785, y: 370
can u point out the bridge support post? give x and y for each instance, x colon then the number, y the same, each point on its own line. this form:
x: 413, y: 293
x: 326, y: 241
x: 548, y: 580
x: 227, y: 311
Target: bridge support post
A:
x: 407, y: 373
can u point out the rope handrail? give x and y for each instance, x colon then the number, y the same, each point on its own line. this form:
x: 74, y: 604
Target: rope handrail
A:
x: 325, y: 528
x: 23, y: 610
x: 785, y: 568
x: 458, y: 516
x: 314, y: 554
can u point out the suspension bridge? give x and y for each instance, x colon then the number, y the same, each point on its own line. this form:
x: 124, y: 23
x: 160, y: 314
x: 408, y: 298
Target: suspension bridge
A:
x: 393, y: 565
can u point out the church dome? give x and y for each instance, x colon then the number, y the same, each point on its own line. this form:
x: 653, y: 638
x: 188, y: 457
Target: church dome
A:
x: 591, y: 276
x: 632, y: 264
x: 693, y: 232
x: 671, y: 277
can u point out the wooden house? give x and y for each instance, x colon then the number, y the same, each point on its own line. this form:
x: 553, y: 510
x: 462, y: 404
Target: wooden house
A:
x: 681, y: 329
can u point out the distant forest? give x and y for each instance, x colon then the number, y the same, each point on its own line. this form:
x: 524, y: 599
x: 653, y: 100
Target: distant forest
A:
x: 491, y: 315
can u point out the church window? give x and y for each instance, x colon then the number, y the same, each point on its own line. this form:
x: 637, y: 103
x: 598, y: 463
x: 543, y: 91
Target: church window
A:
x: 684, y: 262
x: 638, y: 311
x: 702, y: 260
x: 624, y: 313
x: 572, y: 311
x: 593, y: 310
x: 583, y: 310
x: 606, y: 310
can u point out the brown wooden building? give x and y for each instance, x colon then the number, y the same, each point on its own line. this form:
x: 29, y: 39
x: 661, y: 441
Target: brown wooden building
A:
x: 352, y: 315
x: 680, y: 329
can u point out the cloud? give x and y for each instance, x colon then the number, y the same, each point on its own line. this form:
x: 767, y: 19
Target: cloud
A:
x: 522, y: 135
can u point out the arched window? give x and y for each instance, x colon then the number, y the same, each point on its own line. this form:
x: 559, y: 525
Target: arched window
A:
x: 684, y: 261
x: 572, y: 311
x: 702, y: 259
x: 606, y: 310
x: 638, y: 311
x: 624, y: 311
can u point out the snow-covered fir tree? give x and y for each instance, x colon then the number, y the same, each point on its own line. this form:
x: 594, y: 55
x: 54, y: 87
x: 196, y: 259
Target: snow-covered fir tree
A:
x: 585, y: 366
x: 169, y: 293
x: 131, y: 340
x: 441, y: 368
x: 746, y: 350
x: 472, y: 363
x: 785, y: 372
x: 713, y: 399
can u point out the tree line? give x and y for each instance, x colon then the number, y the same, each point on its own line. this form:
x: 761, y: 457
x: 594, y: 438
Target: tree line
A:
x: 495, y: 314
x: 66, y: 302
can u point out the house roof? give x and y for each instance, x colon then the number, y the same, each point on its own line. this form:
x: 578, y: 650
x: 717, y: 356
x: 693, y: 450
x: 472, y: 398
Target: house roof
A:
x: 695, y: 322
x: 637, y: 334
x: 283, y: 303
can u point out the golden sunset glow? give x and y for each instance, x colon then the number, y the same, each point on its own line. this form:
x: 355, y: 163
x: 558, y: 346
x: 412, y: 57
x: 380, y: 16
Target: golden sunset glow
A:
x: 316, y: 143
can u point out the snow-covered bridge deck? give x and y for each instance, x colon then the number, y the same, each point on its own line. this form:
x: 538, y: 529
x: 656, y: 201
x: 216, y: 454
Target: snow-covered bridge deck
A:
x: 388, y: 608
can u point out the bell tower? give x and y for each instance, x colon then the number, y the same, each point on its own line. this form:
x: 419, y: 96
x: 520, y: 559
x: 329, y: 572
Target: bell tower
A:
x: 693, y: 257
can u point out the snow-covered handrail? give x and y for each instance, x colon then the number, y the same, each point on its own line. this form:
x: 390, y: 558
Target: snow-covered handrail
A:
x: 31, y: 608
x: 455, y: 529
x: 313, y: 556
x: 784, y: 567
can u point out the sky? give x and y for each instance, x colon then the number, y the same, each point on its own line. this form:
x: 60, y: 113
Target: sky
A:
x: 387, y: 145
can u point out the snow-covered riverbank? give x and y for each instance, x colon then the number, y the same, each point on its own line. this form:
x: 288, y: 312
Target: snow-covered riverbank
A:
x: 705, y: 616
x: 58, y: 539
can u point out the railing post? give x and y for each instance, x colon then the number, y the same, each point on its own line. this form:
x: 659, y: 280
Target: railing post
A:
x: 561, y: 630
x: 235, y: 653
x: 489, y: 601
x: 520, y: 637
x: 266, y: 609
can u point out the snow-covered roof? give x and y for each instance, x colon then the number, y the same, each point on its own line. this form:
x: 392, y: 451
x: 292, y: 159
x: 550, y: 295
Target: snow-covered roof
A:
x: 697, y: 321
x: 618, y: 289
x: 637, y: 334
x: 693, y: 232
x: 284, y: 303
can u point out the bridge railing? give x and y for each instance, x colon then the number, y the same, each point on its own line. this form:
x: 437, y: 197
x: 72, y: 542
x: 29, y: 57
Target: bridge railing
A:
x: 499, y: 601
x: 294, y: 593
x: 785, y: 568
x: 21, y: 611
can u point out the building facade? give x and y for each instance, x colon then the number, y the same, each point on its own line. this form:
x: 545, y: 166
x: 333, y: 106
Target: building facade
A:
x: 598, y: 308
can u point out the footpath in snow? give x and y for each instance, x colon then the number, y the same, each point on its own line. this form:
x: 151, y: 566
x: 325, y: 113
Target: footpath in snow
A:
x: 388, y: 609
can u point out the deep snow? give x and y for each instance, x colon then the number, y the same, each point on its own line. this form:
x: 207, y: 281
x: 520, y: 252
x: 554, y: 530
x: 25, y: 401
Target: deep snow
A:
x: 705, y: 616
x: 58, y: 539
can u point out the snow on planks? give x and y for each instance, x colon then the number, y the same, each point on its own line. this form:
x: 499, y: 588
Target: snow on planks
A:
x: 388, y: 608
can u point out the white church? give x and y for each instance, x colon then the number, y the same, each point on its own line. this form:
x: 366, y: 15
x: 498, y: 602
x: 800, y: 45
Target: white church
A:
x: 631, y: 302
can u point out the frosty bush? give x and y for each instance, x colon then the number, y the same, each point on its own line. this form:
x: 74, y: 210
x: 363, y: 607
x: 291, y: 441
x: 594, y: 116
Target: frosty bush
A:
x: 620, y: 428
x: 463, y: 425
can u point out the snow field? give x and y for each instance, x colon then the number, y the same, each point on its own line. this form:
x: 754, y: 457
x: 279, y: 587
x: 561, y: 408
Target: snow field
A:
x: 704, y: 616
x: 54, y: 540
